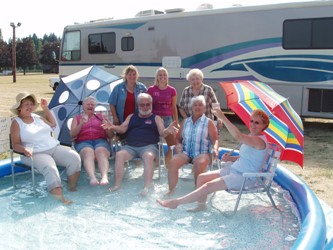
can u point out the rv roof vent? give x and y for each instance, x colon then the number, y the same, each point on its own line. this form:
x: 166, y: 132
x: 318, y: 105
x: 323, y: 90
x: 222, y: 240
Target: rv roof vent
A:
x: 205, y: 6
x: 176, y: 10
x: 149, y: 13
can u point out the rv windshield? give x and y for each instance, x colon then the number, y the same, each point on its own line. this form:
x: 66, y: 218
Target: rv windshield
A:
x: 71, y: 50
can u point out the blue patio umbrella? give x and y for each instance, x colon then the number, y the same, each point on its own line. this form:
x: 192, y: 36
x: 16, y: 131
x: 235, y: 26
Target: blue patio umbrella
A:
x: 73, y: 89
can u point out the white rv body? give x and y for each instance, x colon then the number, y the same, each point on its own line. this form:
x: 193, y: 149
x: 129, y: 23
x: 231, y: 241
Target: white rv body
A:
x: 227, y: 44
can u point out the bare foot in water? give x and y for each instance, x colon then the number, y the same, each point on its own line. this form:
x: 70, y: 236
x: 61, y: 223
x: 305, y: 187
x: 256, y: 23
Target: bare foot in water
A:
x: 114, y: 189
x: 104, y: 181
x: 199, y: 208
x: 173, y: 204
x: 67, y: 202
x: 171, y: 192
x: 93, y: 182
x: 144, y: 192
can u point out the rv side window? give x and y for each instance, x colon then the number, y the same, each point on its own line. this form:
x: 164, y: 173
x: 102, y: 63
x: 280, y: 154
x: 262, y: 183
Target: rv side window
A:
x: 102, y: 43
x: 314, y: 33
x: 71, y: 48
x: 127, y: 43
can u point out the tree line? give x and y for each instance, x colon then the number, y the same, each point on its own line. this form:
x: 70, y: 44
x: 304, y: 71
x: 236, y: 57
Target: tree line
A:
x: 32, y: 53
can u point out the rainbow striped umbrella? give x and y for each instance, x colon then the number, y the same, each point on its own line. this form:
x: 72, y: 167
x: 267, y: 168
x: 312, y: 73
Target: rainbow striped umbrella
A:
x: 286, y: 127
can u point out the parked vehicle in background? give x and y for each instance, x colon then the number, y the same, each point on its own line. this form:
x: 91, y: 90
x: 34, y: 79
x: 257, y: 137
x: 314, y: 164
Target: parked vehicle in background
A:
x: 288, y: 46
x: 6, y: 73
x: 54, y: 82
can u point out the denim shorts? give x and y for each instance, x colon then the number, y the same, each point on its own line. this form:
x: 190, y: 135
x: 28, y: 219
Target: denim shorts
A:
x: 92, y: 144
x: 167, y: 120
x: 139, y: 151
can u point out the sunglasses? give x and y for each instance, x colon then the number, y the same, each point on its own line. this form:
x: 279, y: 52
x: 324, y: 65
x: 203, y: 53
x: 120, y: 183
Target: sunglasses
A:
x: 144, y: 105
x: 255, y: 122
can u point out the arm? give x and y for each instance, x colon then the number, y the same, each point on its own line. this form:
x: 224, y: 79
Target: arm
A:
x: 76, y: 127
x: 175, y: 110
x: 114, y: 114
x: 16, y: 139
x: 182, y: 104
x: 48, y: 117
x: 164, y: 132
x: 179, y: 139
x: 121, y: 129
x: 253, y: 141
x: 213, y: 136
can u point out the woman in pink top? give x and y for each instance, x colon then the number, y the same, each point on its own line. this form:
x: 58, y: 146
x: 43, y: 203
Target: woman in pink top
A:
x: 91, y: 141
x: 165, y: 105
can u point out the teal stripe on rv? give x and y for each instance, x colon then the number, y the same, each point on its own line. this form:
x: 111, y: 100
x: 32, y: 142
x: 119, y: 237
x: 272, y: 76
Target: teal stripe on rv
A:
x: 131, y: 26
x: 247, y: 46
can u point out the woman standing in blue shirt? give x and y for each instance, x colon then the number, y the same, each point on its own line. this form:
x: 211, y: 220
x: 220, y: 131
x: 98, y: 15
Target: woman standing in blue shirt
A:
x: 124, y: 95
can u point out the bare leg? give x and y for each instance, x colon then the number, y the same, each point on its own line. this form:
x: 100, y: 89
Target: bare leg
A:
x: 121, y: 157
x: 148, y: 161
x: 72, y: 181
x: 57, y: 193
x: 175, y: 163
x: 170, y: 140
x: 197, y: 195
x: 102, y: 156
x: 200, y: 164
x: 88, y: 156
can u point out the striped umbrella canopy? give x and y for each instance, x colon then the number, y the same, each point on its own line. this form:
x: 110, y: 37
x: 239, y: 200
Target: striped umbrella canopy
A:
x: 286, y: 127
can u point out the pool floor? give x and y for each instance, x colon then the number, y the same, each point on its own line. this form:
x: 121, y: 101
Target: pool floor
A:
x: 99, y: 219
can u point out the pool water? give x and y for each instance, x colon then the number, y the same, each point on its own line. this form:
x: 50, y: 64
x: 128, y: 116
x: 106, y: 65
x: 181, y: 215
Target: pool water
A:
x: 99, y: 219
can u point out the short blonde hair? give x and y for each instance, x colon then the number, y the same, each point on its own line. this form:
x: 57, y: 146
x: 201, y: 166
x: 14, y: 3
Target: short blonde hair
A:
x: 264, y: 117
x: 192, y: 72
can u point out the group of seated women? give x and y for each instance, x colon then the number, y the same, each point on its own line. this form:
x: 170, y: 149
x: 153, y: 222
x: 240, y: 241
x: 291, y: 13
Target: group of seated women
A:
x: 195, y: 139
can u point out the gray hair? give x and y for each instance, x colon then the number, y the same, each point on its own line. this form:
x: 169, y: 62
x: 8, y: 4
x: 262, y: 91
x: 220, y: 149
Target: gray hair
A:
x: 192, y: 72
x: 145, y: 96
x: 199, y: 98
x: 88, y: 98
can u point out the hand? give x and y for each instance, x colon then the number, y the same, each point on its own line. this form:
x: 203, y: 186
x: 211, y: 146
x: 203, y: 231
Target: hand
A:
x: 218, y: 113
x: 226, y: 158
x: 43, y: 103
x: 28, y: 151
x: 107, y: 124
x: 172, y: 129
x: 179, y: 148
x: 84, y: 119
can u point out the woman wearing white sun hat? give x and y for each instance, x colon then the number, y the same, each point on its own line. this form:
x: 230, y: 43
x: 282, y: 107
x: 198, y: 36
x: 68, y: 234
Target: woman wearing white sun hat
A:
x: 29, y: 128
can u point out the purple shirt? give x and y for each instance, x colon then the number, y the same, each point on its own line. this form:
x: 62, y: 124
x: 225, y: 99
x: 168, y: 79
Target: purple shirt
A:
x: 162, y: 99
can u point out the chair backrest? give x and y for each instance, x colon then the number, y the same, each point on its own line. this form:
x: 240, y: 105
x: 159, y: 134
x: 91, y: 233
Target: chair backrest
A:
x: 272, y: 158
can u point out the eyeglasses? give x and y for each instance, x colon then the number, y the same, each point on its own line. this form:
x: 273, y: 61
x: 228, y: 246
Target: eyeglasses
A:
x: 142, y: 105
x: 255, y: 122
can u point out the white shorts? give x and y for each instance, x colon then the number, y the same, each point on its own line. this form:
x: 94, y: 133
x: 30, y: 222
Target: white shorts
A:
x: 234, y: 179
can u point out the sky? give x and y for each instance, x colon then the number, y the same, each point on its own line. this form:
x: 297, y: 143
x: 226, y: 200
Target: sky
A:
x: 45, y: 17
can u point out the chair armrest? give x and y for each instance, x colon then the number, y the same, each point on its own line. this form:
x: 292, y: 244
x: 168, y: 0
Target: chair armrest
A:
x: 258, y: 174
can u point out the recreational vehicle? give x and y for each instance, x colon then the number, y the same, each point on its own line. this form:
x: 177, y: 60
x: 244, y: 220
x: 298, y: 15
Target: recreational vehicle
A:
x: 288, y: 46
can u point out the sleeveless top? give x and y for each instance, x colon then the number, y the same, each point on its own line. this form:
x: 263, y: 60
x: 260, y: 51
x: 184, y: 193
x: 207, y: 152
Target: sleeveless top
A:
x: 250, y: 159
x: 196, y: 137
x: 142, y: 131
x: 92, y: 129
x: 37, y: 133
